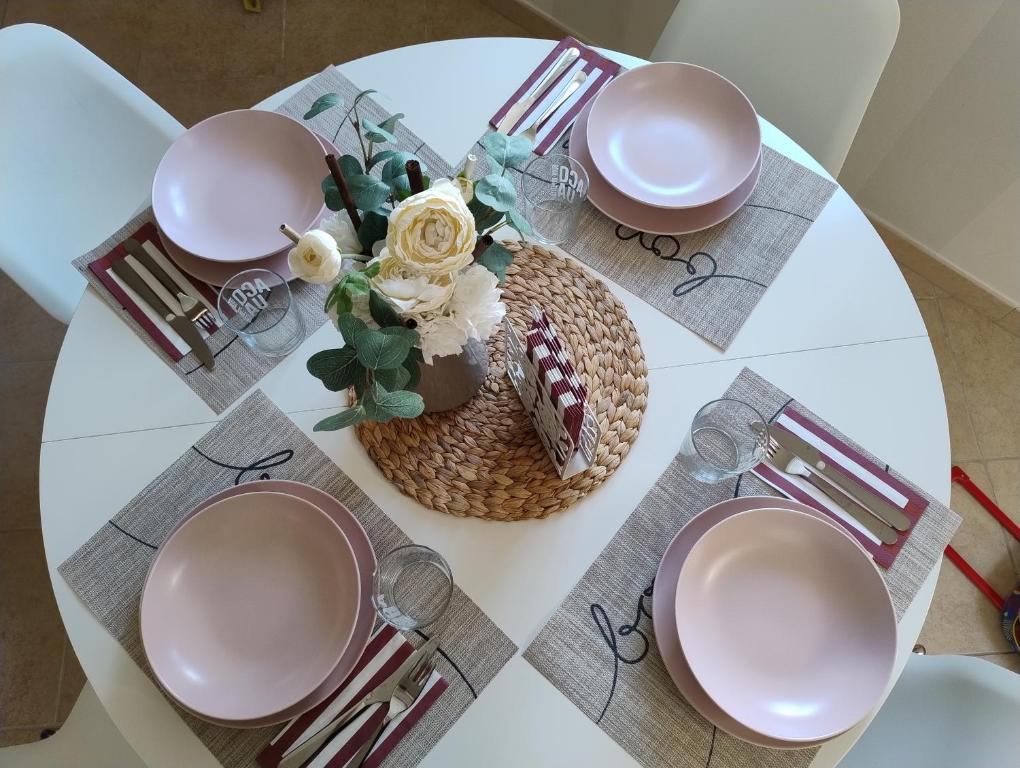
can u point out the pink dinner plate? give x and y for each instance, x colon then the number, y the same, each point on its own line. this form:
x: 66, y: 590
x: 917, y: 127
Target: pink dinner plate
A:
x: 664, y: 617
x: 218, y: 272
x: 673, y: 135
x: 249, y: 605
x: 786, y: 623
x: 644, y: 218
x: 364, y: 554
x: 224, y: 187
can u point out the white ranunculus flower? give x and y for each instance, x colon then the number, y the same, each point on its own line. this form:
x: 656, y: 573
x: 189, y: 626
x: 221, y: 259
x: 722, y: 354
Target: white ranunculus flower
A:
x: 340, y: 227
x: 475, y: 304
x: 466, y: 187
x: 315, y: 258
x: 411, y: 292
x: 433, y: 231
x: 440, y: 336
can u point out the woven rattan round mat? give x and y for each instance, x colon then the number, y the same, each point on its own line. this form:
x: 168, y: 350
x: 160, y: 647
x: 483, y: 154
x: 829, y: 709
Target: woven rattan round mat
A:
x: 484, y: 459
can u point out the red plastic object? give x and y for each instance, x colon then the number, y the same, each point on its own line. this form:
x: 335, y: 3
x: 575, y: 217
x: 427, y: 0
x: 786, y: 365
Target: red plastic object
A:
x: 961, y: 477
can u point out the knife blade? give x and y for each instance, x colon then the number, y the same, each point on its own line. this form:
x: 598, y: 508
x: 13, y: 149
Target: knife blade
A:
x: 518, y: 110
x: 856, y: 490
x: 298, y: 753
x: 127, y: 272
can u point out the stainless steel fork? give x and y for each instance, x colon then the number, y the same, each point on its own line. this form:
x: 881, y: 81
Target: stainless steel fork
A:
x: 403, y: 698
x: 198, y: 313
x: 575, y: 82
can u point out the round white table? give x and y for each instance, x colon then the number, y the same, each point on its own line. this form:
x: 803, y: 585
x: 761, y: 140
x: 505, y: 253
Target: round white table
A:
x: 838, y: 330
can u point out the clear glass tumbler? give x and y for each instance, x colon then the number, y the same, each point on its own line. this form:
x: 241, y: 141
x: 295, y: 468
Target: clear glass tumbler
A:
x: 258, y: 306
x: 554, y: 189
x: 413, y: 586
x: 727, y: 437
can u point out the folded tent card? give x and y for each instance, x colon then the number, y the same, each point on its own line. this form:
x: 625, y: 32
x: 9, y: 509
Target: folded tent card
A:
x: 553, y: 394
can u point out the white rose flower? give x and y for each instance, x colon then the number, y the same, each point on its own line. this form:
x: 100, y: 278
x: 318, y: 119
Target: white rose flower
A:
x: 315, y: 258
x: 440, y: 336
x: 466, y: 187
x: 411, y: 292
x: 475, y: 304
x: 433, y: 231
x: 340, y: 227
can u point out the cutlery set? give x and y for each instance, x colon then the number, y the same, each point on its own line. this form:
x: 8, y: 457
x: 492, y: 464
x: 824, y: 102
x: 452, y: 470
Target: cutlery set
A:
x: 790, y: 455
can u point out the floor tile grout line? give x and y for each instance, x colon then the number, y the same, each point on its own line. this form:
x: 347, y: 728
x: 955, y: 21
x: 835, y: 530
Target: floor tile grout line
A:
x: 959, y: 370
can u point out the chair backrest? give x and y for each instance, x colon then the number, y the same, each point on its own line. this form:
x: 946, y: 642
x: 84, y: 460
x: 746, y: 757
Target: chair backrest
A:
x: 808, y: 66
x: 945, y: 712
x: 78, y: 148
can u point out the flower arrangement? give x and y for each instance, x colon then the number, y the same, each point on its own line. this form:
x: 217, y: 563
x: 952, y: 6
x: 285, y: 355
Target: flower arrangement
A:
x: 413, y: 268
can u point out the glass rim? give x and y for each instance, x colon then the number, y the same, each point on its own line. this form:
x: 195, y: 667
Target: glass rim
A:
x: 245, y: 331
x: 444, y: 566
x: 694, y: 442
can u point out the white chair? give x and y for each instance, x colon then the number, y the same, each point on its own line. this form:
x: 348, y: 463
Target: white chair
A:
x: 945, y: 712
x: 78, y: 148
x: 88, y: 739
x: 808, y: 66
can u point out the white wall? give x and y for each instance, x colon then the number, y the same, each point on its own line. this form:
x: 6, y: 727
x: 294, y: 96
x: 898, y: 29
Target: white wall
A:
x: 937, y: 156
x: 938, y: 153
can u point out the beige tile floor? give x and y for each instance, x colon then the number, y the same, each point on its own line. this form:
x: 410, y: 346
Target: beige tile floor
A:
x: 197, y: 58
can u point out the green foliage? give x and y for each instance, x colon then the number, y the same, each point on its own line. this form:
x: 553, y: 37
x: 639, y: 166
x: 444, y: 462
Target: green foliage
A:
x: 324, y: 102
x: 379, y: 157
x: 393, y: 378
x: 381, y: 405
x: 376, y: 133
x: 336, y: 368
x: 496, y: 259
x: 369, y: 193
x: 390, y: 123
x: 382, y: 312
x: 350, y: 166
x: 349, y: 326
x: 380, y: 351
x: 396, y: 166
x: 341, y: 420
x: 331, y: 194
x: 373, y: 228
x: 518, y: 222
x: 506, y: 151
x: 497, y: 192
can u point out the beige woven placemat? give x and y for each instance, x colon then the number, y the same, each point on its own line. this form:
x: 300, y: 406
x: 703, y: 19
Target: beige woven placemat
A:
x: 484, y: 459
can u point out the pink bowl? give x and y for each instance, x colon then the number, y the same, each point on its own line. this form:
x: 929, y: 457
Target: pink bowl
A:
x: 249, y: 605
x: 673, y: 135
x: 786, y: 623
x: 665, y: 621
x: 364, y: 555
x: 225, y: 186
x: 646, y: 218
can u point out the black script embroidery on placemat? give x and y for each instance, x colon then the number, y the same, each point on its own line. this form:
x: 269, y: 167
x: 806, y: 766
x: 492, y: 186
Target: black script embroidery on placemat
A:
x: 273, y: 460
x: 605, y: 627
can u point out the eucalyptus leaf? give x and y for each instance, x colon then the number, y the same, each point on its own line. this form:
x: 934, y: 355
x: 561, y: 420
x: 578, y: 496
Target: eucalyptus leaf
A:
x: 518, y: 222
x: 402, y: 330
x: 413, y: 368
x: 336, y: 368
x: 382, y: 312
x: 324, y: 102
x: 382, y: 405
x: 496, y: 192
x: 331, y: 195
x: 376, y: 133
x: 368, y: 192
x: 371, y: 270
x: 373, y: 228
x: 506, y: 151
x: 344, y: 303
x: 397, y: 165
x: 350, y: 166
x: 341, y: 420
x: 496, y: 259
x: 349, y: 326
x: 380, y: 351
x: 390, y: 123
x: 379, y: 157
x: 393, y: 378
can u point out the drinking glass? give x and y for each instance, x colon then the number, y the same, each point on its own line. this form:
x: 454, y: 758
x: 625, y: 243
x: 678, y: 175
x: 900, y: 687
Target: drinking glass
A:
x: 258, y: 306
x: 554, y: 189
x: 412, y: 587
x: 727, y: 437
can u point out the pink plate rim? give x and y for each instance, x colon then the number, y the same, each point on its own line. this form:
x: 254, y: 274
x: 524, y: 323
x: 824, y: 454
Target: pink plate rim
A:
x: 194, y: 514
x: 623, y: 79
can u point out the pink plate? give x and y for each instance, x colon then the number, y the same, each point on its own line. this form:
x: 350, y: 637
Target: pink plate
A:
x: 644, y: 218
x: 664, y: 612
x: 218, y: 272
x: 365, y: 557
x: 225, y: 186
x: 249, y: 605
x: 673, y: 135
x: 787, y: 624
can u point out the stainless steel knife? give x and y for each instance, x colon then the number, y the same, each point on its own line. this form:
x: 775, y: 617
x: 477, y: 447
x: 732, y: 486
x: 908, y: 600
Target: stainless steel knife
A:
x: 518, y: 110
x: 864, y: 496
x: 130, y: 271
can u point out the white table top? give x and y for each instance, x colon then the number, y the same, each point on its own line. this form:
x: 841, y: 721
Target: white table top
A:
x: 838, y: 329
